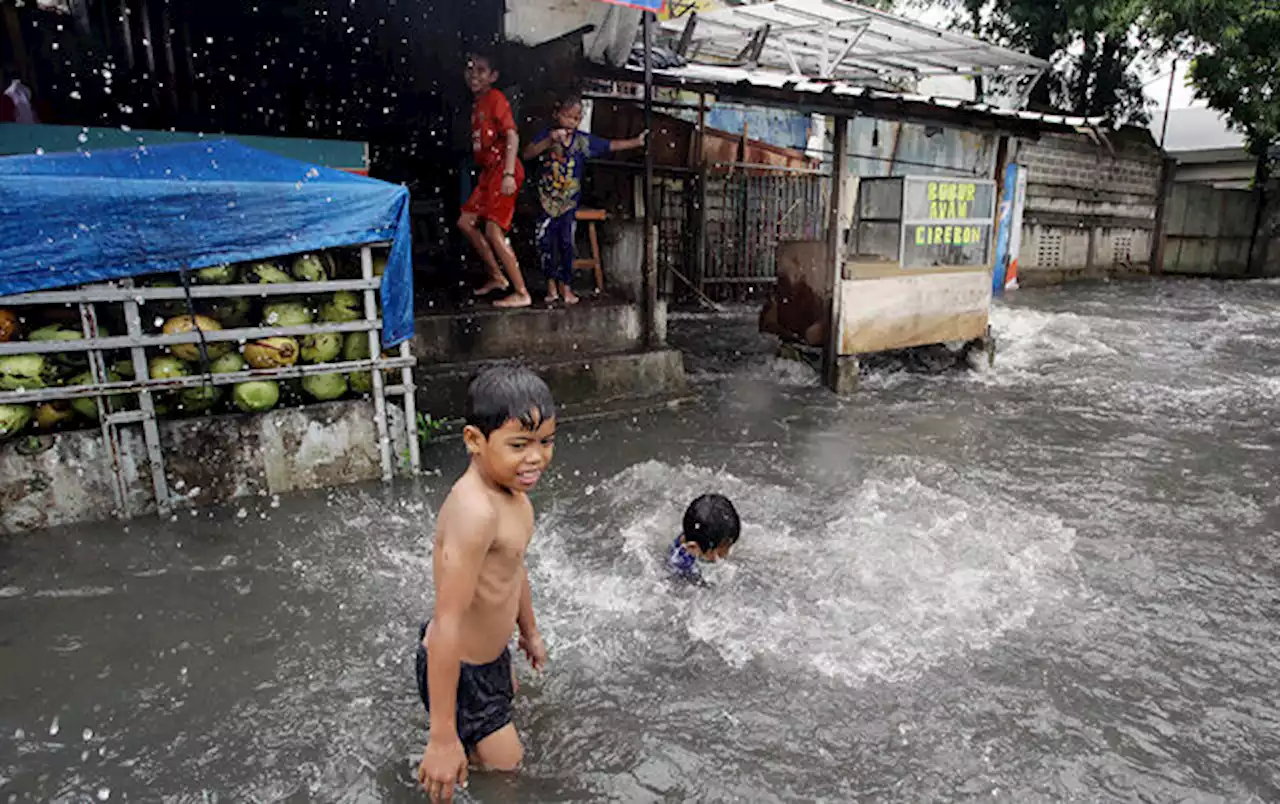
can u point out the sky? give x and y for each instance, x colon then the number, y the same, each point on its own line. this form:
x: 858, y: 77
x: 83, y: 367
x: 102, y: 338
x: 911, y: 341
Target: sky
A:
x: 1156, y: 78
x: 1158, y: 86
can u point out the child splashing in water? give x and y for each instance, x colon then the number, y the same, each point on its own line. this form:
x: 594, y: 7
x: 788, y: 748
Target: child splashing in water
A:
x: 481, y: 584
x: 711, y: 529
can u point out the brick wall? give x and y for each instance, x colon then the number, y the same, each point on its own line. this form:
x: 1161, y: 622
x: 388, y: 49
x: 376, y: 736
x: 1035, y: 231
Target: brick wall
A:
x: 1091, y: 209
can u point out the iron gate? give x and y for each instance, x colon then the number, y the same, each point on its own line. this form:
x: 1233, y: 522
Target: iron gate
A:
x: 753, y: 208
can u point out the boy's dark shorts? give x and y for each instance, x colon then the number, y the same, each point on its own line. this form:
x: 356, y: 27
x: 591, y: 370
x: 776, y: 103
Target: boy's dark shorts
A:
x: 484, y: 695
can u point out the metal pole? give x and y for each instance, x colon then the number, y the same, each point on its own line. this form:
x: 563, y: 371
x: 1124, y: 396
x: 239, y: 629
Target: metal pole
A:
x: 110, y: 435
x: 410, y: 411
x: 375, y: 353
x: 703, y: 176
x: 649, y: 304
x: 150, y: 429
x: 835, y: 240
x: 1168, y: 102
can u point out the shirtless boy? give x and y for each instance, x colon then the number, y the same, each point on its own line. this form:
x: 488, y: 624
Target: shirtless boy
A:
x: 481, y: 584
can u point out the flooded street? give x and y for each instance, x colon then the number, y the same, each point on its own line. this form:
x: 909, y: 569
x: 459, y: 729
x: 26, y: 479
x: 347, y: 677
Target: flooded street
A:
x: 1057, y: 580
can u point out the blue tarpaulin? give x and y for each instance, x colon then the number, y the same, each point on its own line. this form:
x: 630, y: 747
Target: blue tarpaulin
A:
x: 71, y: 218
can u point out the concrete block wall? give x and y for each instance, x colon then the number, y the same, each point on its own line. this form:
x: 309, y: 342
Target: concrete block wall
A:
x: 208, y: 461
x: 1091, y: 210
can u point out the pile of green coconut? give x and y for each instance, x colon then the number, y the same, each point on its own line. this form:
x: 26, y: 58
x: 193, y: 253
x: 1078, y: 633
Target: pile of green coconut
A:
x: 71, y: 368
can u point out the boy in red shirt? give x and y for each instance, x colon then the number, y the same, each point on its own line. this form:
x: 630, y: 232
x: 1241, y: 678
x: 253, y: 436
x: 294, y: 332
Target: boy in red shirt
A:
x: 496, y: 145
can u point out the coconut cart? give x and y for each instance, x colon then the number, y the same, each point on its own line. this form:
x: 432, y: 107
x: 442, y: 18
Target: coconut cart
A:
x: 145, y: 290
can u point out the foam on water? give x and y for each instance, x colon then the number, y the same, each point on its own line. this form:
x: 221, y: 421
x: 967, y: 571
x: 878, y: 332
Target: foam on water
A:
x: 889, y: 581
x: 1027, y: 339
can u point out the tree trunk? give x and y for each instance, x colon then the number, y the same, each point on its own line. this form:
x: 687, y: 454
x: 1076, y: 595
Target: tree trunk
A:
x: 1260, y: 178
x: 1108, y: 73
x: 1084, y: 72
x: 974, y: 9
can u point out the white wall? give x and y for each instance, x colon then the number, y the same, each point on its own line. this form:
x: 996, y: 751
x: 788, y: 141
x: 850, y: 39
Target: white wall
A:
x: 534, y: 22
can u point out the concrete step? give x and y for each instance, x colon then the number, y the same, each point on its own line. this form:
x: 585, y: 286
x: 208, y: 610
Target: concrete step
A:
x: 647, y: 378
x: 597, y: 326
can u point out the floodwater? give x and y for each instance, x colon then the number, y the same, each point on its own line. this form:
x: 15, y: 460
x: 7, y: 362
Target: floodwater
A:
x: 1057, y: 580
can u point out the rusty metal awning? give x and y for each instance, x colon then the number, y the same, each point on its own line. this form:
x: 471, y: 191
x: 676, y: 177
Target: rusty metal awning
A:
x: 778, y: 89
x: 836, y: 40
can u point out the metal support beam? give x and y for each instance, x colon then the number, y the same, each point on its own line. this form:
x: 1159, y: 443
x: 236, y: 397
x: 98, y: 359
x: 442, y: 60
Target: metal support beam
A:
x: 704, y: 175
x: 835, y: 251
x: 410, y: 410
x: 791, y: 55
x: 110, y: 433
x: 830, y: 69
x: 649, y: 285
x: 150, y: 430
x: 375, y: 352
x: 686, y: 36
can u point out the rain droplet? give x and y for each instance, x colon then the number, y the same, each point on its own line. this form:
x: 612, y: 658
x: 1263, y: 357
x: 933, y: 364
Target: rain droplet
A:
x: 54, y: 727
x: 87, y: 734
x: 104, y: 793
x: 82, y: 138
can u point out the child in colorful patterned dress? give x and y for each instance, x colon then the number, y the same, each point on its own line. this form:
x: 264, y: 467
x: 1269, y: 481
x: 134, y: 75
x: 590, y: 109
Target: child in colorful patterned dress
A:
x: 565, y: 151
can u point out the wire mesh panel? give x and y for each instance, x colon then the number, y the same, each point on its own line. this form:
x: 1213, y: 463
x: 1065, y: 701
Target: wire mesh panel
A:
x: 750, y: 211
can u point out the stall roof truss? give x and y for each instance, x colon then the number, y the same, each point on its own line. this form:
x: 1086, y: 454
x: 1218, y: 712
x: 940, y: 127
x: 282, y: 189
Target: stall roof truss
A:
x: 837, y: 40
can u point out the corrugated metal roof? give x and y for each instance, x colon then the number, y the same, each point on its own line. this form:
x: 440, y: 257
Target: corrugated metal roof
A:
x: 832, y: 39
x: 744, y: 79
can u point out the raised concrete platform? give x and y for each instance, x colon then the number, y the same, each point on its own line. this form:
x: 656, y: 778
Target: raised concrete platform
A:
x: 596, y: 326
x: 648, y: 378
x: 591, y: 354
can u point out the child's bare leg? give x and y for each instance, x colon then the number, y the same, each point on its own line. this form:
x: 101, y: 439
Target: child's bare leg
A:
x: 500, y: 751
x: 467, y: 224
x: 498, y: 242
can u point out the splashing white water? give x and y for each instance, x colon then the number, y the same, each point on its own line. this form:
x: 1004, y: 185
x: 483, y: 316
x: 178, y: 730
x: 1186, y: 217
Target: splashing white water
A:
x: 884, y: 584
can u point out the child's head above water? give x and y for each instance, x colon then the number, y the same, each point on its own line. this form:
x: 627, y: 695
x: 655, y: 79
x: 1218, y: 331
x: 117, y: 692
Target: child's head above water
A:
x: 511, y: 426
x: 711, y: 527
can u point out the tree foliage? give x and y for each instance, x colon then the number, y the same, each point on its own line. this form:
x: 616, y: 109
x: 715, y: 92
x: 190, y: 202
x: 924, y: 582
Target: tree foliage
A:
x: 1234, y: 46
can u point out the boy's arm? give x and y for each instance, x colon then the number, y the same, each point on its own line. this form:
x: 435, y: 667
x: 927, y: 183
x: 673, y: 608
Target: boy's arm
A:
x: 509, y: 166
x: 537, y: 148
x: 530, y: 639
x: 631, y: 144
x: 461, y: 545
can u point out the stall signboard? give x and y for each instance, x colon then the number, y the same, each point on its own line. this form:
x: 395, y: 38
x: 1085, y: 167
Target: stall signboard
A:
x: 946, y: 222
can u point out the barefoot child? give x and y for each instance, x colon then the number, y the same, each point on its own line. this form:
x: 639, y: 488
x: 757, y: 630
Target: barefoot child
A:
x: 481, y: 584
x: 711, y: 529
x: 496, y: 144
x: 566, y: 152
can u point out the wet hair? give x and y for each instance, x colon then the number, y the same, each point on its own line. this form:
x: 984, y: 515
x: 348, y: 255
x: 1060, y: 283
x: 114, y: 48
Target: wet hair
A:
x: 711, y: 521
x: 567, y: 101
x: 499, y: 394
x: 486, y: 52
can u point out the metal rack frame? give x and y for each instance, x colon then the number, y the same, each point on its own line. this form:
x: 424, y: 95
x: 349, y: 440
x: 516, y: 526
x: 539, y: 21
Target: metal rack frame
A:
x: 144, y: 386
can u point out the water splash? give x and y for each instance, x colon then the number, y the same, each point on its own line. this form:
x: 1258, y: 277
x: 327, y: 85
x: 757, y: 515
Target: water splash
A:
x: 884, y: 584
